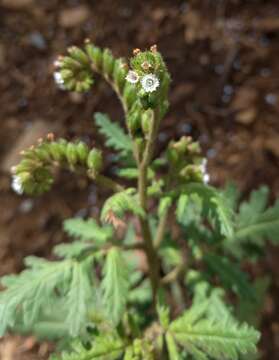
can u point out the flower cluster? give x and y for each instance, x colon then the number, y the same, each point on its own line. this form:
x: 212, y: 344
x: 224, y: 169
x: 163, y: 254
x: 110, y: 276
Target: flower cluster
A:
x: 148, y: 70
x: 149, y: 82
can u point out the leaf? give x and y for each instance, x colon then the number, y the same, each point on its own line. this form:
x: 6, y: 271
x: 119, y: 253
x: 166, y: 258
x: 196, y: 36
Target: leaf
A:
x: 72, y: 250
x: 103, y: 348
x: 206, y: 338
x: 120, y: 203
x: 172, y: 347
x: 255, y: 223
x: 115, y: 284
x: 116, y: 138
x: 181, y: 207
x: 133, y: 173
x: 29, y: 292
x: 251, y: 312
x: 231, y: 276
x: 232, y: 195
x: 46, y: 288
x: 87, y: 230
x: 77, y: 300
x: 164, y: 205
x: 213, y: 206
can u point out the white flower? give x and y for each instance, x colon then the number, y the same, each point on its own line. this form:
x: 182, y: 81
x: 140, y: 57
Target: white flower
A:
x: 17, y: 185
x: 206, y: 176
x: 59, y: 80
x: 132, y: 77
x: 57, y: 64
x: 150, y: 82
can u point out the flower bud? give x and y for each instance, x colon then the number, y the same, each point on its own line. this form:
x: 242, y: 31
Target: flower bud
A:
x: 95, y: 161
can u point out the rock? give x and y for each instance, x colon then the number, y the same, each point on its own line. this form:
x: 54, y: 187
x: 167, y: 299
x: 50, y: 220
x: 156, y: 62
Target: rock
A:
x: 69, y: 18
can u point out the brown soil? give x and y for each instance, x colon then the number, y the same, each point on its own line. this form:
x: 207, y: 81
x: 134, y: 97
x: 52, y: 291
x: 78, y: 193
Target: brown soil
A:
x: 223, y: 57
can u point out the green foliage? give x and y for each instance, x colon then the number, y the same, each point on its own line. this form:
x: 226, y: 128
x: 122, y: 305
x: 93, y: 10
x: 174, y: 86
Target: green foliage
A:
x: 29, y: 293
x: 255, y: 223
x: 115, y: 284
x: 120, y: 203
x: 231, y: 276
x: 107, y: 348
x: 211, y: 204
x: 88, y: 230
x: 204, y: 337
x: 116, y: 138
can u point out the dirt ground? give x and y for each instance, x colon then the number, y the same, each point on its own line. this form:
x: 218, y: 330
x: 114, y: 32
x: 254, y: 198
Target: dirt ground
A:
x: 223, y: 57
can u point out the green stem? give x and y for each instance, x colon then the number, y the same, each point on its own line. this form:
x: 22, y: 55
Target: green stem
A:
x: 152, y: 258
x: 107, y: 183
x: 161, y: 230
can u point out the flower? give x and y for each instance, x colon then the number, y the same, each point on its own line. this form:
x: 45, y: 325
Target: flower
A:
x: 59, y: 80
x: 17, y: 185
x: 150, y: 82
x: 132, y: 77
x: 206, y: 176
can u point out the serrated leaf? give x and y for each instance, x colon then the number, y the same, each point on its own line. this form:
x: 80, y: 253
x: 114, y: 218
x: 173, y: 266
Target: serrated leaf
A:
x: 230, y: 275
x: 77, y: 299
x: 164, y: 205
x: 116, y: 138
x: 206, y: 338
x: 72, y: 250
x: 115, y: 284
x: 181, y: 207
x: 255, y: 223
x: 29, y: 292
x: 87, y: 230
x: 120, y: 203
x: 213, y: 206
x: 104, y: 348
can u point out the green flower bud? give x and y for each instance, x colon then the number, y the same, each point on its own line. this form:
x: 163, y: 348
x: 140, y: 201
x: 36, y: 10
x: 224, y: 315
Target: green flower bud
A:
x: 71, y: 154
x: 78, y: 55
x: 147, y: 121
x: 119, y: 74
x: 129, y: 95
x: 108, y: 63
x: 82, y: 152
x: 95, y: 161
x: 192, y: 173
x: 95, y: 54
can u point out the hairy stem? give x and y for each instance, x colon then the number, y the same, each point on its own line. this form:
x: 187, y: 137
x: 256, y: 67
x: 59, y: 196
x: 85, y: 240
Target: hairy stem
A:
x: 108, y: 183
x: 152, y: 258
x: 161, y: 230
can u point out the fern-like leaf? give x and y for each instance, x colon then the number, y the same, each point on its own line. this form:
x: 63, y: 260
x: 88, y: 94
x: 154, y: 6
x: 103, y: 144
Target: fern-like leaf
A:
x: 104, y: 347
x: 31, y: 291
x: 72, y: 250
x: 231, y: 276
x: 115, y: 284
x: 206, y: 338
x: 121, y: 202
x: 77, y: 299
x: 87, y: 230
x: 28, y: 295
x: 214, y: 206
x: 116, y: 138
x: 255, y: 223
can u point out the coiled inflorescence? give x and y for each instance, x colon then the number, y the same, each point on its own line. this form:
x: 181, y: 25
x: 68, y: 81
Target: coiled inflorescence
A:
x: 185, y: 157
x: 34, y: 174
x: 143, y: 87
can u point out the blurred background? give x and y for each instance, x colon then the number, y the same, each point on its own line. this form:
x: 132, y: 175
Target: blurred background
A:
x: 223, y: 57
